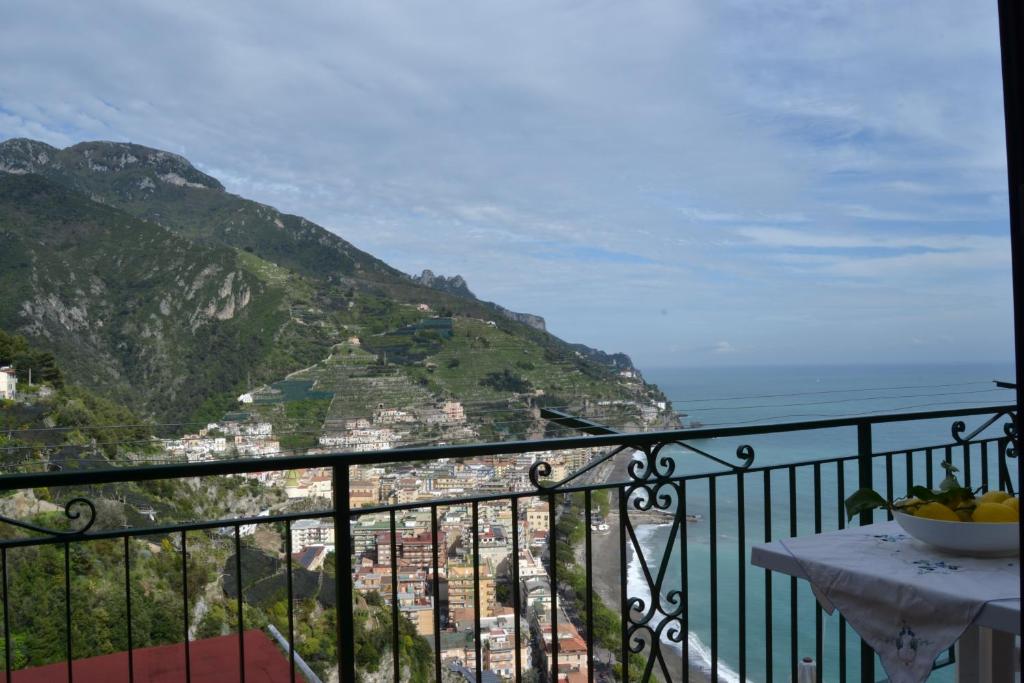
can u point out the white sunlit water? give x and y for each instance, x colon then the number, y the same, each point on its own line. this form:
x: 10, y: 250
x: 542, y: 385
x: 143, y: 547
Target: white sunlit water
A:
x: 852, y: 391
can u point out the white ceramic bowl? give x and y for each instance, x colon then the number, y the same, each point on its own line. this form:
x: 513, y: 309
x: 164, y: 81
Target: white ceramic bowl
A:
x: 974, y: 539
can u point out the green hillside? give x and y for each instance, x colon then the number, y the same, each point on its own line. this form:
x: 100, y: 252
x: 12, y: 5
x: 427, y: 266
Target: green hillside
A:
x: 157, y: 287
x: 132, y: 309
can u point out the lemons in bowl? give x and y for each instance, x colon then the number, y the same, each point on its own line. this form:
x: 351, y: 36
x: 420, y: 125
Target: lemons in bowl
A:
x: 952, y: 518
x: 972, y: 539
x: 994, y: 507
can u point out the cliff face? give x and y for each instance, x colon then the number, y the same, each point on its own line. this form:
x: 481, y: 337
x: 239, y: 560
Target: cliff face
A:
x: 128, y: 306
x: 534, y: 321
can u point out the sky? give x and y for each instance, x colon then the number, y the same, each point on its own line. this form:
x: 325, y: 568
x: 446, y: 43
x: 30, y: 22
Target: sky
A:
x: 692, y: 182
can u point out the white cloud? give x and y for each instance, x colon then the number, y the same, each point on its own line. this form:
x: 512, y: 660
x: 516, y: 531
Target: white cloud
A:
x: 717, y: 141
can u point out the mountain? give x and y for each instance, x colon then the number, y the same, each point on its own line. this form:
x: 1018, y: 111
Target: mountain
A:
x: 166, y: 189
x: 130, y: 308
x: 156, y: 286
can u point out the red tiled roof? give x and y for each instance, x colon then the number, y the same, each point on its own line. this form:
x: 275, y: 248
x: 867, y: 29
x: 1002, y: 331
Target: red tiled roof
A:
x: 213, y: 660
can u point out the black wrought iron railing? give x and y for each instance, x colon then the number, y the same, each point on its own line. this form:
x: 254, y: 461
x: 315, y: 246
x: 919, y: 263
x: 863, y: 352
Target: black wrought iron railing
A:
x: 644, y: 550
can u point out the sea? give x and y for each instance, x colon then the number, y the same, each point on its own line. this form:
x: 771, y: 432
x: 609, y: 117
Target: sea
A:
x: 732, y: 396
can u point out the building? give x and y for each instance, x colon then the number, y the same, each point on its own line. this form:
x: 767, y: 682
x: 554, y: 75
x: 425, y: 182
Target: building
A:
x: 363, y: 492
x: 460, y: 593
x: 421, y: 614
x: 499, y: 653
x: 572, y: 649
x: 454, y: 411
x: 8, y: 383
x: 537, y: 517
x: 306, y: 532
x: 413, y: 549
x: 360, y: 440
x: 537, y: 594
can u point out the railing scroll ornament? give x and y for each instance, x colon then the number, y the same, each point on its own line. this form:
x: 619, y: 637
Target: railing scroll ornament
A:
x: 73, y: 510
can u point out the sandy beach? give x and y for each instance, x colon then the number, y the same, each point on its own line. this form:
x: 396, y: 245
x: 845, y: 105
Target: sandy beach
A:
x: 606, y: 571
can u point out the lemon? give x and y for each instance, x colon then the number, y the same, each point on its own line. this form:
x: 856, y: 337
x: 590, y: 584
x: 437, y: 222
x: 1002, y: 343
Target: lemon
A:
x: 994, y: 513
x: 936, y: 511
x: 1013, y: 503
x: 994, y: 497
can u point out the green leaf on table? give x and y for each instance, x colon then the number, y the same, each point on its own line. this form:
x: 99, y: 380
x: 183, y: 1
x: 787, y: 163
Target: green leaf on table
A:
x: 863, y: 500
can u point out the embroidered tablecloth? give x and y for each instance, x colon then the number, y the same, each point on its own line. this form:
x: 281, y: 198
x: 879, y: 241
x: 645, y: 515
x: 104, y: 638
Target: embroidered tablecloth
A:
x: 906, y: 600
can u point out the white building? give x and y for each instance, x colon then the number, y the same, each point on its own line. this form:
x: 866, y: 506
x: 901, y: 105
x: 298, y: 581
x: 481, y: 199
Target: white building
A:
x: 8, y: 383
x: 307, y: 532
x: 360, y: 440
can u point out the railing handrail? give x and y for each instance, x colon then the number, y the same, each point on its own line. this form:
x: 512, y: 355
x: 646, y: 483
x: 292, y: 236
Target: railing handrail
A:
x: 422, y: 453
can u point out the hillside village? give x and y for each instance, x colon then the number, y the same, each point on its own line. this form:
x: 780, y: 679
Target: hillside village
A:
x: 427, y: 570
x: 419, y: 573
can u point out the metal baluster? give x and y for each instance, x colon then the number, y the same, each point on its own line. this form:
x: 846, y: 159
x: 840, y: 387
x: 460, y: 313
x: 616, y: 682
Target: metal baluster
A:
x: 553, y: 557
x: 864, y: 480
x: 819, y: 627
x: 184, y: 601
x: 741, y: 541
x: 623, y: 576
x: 713, y: 532
x: 436, y: 585
x: 967, y: 465
x: 128, y: 607
x: 984, y: 465
x: 7, y: 617
x: 291, y: 598
x: 841, y: 496
x: 684, y: 583
x: 908, y: 460
x: 793, y: 597
x: 515, y: 588
x: 67, y: 607
x: 131, y: 658
x: 343, y: 574
x: 396, y: 645
x: 888, y: 496
x: 476, y: 593
x: 1004, y: 474
x: 929, y: 480
x: 588, y: 587
x: 768, y: 672
x: 241, y: 615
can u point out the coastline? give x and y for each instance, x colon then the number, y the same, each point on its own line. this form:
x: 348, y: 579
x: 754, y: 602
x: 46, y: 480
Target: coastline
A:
x: 607, y: 576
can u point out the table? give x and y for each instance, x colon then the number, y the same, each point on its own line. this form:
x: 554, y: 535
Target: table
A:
x: 985, y: 653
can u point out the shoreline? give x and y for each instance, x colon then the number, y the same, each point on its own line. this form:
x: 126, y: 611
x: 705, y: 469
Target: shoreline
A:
x: 606, y: 575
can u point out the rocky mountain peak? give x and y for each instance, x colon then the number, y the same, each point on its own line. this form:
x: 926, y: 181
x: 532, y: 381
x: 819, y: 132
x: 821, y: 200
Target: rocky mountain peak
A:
x: 21, y: 155
x: 455, y: 284
x: 146, y: 165
x: 114, y: 157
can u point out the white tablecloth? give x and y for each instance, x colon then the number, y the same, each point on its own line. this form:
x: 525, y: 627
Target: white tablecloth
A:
x: 907, y: 601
